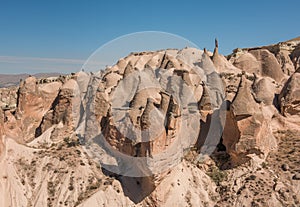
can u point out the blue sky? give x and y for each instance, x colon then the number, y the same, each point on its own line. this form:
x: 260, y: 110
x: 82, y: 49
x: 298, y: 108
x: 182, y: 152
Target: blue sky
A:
x: 48, y: 36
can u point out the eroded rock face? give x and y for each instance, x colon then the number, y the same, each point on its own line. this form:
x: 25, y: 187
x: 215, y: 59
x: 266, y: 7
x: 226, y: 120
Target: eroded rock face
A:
x: 264, y: 90
x: 24, y: 107
x: 62, y: 111
x: 8, y: 98
x: 269, y: 66
x: 258, y: 60
x: 247, y: 129
x: 244, y: 104
x: 284, y: 59
x: 152, y: 103
x: 247, y: 62
x: 221, y: 63
x: 34, y: 100
x: 289, y: 97
x: 295, y: 56
x: 261, y: 62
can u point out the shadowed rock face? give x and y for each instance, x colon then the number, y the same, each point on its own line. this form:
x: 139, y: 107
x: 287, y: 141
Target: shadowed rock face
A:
x: 150, y: 106
x: 289, y: 97
x: 295, y: 57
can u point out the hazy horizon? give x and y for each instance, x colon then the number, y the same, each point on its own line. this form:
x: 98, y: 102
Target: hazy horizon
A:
x: 39, y: 37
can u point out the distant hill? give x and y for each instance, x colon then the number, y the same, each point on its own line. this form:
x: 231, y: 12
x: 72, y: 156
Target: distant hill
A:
x: 7, y: 80
x: 295, y: 39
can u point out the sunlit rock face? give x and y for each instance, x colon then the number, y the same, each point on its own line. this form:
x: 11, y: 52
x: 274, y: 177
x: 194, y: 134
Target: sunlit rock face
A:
x: 261, y: 62
x: 24, y: 112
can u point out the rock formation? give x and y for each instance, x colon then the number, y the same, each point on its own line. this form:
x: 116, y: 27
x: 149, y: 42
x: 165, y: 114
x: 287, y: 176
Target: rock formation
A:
x: 159, y: 128
x: 289, y: 98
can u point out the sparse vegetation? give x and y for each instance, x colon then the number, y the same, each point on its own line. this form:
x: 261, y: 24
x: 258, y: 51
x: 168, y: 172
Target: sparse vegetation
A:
x: 71, y: 142
x: 264, y: 165
x: 217, y: 175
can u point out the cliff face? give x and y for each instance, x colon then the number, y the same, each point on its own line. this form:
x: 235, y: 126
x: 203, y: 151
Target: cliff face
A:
x: 60, y: 113
x: 163, y: 128
x: 25, y: 110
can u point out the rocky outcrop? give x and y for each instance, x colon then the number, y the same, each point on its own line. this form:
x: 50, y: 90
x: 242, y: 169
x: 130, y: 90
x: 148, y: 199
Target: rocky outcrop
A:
x: 149, y: 106
x: 295, y: 56
x: 62, y: 111
x: 284, y: 59
x: 244, y: 104
x: 8, y: 98
x: 289, y: 98
x: 254, y: 60
x: 268, y: 65
x: 247, y: 62
x: 247, y: 128
x: 34, y: 100
x: 221, y: 63
x: 283, y: 52
x: 261, y: 62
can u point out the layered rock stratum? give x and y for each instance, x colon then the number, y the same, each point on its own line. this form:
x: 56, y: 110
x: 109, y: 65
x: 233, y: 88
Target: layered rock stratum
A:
x: 159, y: 128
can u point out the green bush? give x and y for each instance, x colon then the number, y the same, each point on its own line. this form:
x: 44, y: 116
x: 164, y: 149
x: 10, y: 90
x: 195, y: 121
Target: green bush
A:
x: 217, y: 175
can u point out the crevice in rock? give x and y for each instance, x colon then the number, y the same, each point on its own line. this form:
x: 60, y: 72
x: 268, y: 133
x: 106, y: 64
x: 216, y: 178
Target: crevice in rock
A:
x: 137, y: 189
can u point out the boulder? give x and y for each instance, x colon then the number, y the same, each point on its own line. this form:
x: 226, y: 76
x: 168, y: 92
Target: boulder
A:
x: 264, y: 90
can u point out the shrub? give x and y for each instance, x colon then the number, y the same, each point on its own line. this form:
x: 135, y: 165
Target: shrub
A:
x: 217, y: 175
x: 264, y: 165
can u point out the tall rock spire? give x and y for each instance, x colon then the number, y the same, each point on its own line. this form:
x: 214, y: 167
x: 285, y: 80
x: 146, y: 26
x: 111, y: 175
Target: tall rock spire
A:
x: 216, y: 50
